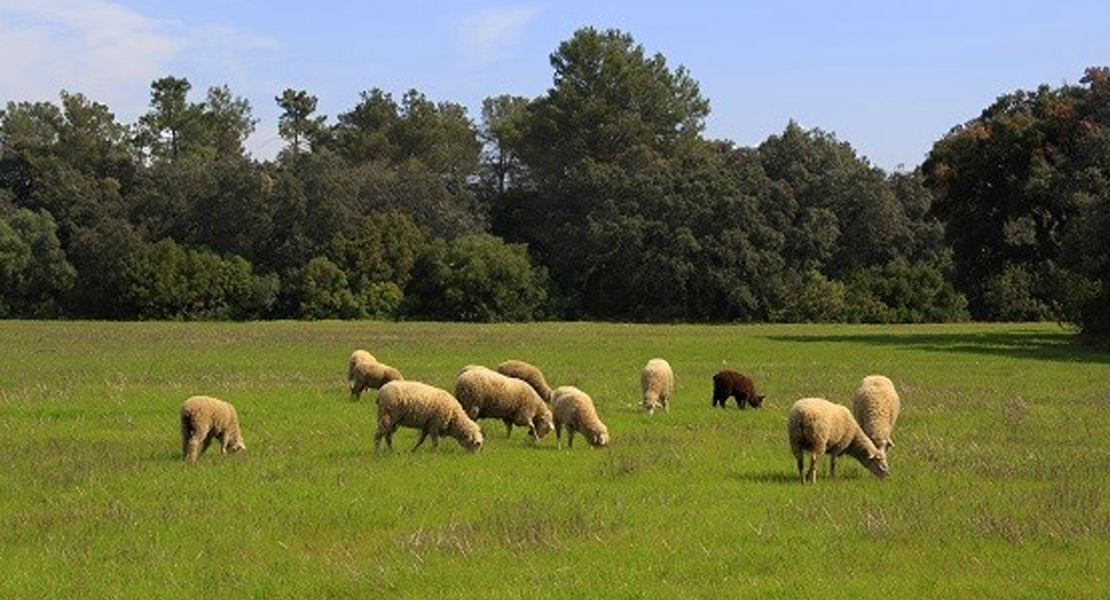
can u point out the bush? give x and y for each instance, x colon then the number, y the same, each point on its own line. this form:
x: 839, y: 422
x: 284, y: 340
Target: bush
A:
x: 476, y: 278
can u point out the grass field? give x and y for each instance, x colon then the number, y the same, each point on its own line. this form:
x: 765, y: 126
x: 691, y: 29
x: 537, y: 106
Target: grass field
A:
x: 1000, y: 484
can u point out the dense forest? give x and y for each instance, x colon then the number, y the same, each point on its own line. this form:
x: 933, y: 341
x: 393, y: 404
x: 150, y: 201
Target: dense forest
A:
x: 601, y: 199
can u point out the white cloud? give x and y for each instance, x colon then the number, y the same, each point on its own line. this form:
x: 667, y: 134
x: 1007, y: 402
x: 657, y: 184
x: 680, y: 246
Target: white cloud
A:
x: 107, y: 51
x: 489, y: 36
x: 90, y: 46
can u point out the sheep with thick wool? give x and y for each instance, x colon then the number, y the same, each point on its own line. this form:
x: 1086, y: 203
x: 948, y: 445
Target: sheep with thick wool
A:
x: 204, y: 419
x: 364, y: 371
x: 434, y: 411
x: 876, y: 405
x: 739, y: 386
x: 656, y: 384
x: 574, y: 409
x: 819, y: 427
x: 487, y: 394
x: 529, y: 373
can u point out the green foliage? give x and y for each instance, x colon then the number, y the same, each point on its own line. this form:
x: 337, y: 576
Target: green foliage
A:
x: 476, y: 278
x: 1009, y: 185
x: 298, y: 124
x: 168, y: 281
x: 999, y: 462
x: 625, y: 210
x: 320, y: 290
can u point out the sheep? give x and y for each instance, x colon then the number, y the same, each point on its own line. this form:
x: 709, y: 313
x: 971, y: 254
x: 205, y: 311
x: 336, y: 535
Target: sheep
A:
x: 876, y: 405
x: 356, y: 357
x: 485, y: 393
x: 657, y: 384
x: 203, y: 419
x: 574, y: 409
x: 818, y: 426
x: 363, y: 375
x: 432, y: 410
x: 529, y: 373
x: 740, y: 387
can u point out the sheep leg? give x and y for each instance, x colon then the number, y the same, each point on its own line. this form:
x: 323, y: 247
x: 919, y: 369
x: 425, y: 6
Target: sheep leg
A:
x: 832, y: 466
x: 423, y: 434
x: 811, y: 474
x: 192, y: 450
x: 558, y: 435
x: 508, y: 427
x: 385, y: 430
x: 570, y: 437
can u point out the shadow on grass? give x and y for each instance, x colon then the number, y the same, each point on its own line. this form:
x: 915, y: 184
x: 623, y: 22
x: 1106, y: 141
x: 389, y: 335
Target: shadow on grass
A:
x: 1061, y: 346
x: 762, y: 477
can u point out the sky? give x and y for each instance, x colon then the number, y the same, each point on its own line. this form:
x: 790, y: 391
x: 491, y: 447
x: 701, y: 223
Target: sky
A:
x: 888, y: 77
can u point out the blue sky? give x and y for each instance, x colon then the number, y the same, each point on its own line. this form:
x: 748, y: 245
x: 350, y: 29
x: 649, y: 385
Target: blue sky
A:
x: 888, y: 77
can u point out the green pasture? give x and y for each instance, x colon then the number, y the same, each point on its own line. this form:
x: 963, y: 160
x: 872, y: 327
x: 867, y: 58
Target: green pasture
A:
x: 1000, y: 484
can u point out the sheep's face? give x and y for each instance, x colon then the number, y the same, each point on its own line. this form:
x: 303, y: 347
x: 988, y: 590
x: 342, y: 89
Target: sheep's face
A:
x: 473, y: 443
x: 469, y: 435
x: 756, y: 401
x: 543, y: 424
x: 600, y: 438
x: 876, y: 463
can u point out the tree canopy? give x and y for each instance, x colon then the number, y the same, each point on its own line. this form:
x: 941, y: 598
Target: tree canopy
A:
x: 602, y: 198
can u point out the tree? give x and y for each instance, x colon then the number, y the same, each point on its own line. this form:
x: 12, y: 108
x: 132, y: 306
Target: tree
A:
x: 502, y: 120
x: 171, y: 119
x: 227, y: 123
x: 365, y: 133
x: 34, y: 273
x: 599, y: 149
x: 297, y: 123
x: 476, y: 278
x: 1008, y: 185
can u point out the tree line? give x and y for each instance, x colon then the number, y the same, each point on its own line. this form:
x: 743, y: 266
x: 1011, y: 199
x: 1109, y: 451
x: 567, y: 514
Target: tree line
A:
x: 601, y: 199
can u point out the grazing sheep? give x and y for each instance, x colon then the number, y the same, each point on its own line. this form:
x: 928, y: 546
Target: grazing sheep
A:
x: 432, y: 410
x: 876, y: 405
x: 575, y: 410
x: 740, y: 387
x: 203, y: 419
x: 818, y: 426
x: 657, y: 384
x: 371, y: 375
x: 485, y: 393
x: 529, y: 373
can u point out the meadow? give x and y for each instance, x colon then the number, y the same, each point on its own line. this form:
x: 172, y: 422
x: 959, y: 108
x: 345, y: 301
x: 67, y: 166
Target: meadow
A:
x: 999, y: 485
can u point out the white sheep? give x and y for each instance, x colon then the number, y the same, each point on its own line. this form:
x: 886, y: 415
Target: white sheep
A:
x: 203, y: 419
x: 876, y: 405
x: 529, y: 373
x: 487, y: 394
x: 363, y: 374
x: 432, y: 410
x: 575, y: 410
x: 819, y: 427
x: 657, y: 384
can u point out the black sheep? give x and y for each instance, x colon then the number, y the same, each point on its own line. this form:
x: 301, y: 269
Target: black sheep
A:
x: 741, y: 387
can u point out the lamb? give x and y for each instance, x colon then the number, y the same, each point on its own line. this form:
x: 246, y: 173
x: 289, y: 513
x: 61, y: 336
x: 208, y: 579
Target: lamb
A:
x: 740, y: 387
x: 529, y: 373
x: 485, y: 393
x: 203, y: 419
x: 818, y: 426
x: 575, y: 410
x: 432, y: 410
x: 657, y: 384
x: 876, y: 405
x: 364, y: 371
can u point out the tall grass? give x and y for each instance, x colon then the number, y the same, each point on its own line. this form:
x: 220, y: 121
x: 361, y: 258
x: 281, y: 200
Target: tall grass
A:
x: 999, y: 485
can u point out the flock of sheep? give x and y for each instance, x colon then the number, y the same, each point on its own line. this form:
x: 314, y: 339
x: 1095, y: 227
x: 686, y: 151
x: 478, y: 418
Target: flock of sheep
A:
x: 518, y: 394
